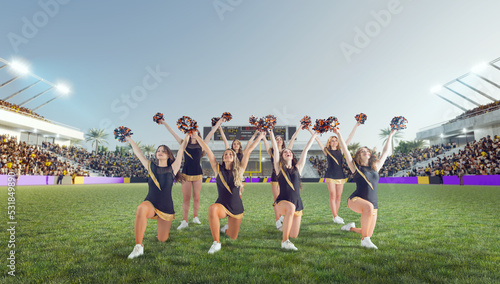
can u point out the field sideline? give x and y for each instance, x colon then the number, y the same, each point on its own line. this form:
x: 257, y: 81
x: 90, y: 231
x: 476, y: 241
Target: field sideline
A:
x: 425, y: 233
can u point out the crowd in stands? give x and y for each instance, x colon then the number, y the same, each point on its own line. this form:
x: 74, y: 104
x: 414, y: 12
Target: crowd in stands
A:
x: 19, y: 109
x: 477, y: 111
x: 109, y: 164
x: 23, y: 159
x: 477, y: 158
x: 399, y: 162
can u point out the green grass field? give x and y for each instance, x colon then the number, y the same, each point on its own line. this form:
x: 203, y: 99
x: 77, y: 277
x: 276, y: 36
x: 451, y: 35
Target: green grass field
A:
x: 425, y: 234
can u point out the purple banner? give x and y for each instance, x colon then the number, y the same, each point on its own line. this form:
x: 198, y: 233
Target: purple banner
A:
x: 451, y: 180
x: 482, y: 180
x: 399, y: 180
x: 35, y: 180
x: 102, y: 180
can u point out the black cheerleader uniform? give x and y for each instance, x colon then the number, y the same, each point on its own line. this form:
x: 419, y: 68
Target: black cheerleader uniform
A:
x: 160, y: 183
x: 192, y: 162
x: 334, y: 173
x: 289, y: 182
x: 229, y: 194
x: 366, y: 185
x: 274, y: 176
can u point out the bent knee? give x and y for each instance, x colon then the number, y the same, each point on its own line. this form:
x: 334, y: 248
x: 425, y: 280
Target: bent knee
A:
x: 163, y: 238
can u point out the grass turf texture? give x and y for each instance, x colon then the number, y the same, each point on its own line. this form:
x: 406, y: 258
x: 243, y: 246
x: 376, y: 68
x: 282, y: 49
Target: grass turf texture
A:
x: 425, y: 233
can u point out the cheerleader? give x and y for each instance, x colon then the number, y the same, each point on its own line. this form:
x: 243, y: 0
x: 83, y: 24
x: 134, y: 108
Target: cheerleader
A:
x: 274, y: 178
x: 228, y: 204
x: 192, y: 172
x: 365, y: 167
x: 236, y: 147
x: 288, y: 202
x: 158, y: 203
x: 334, y: 176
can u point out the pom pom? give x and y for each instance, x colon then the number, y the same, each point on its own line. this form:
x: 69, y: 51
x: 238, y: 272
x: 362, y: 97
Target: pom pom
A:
x: 158, y: 116
x: 122, y: 132
x: 270, y: 121
x: 227, y: 116
x: 187, y: 125
x: 215, y: 120
x: 398, y: 123
x: 322, y: 126
x: 333, y: 121
x: 361, y: 118
x: 305, y: 122
x: 253, y: 120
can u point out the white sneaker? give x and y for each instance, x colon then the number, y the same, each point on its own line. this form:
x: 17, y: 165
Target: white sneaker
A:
x: 224, y: 229
x: 338, y: 220
x: 288, y: 245
x: 214, y: 248
x: 138, y: 251
x: 348, y: 227
x: 281, y: 218
x: 183, y: 225
x: 196, y: 221
x: 279, y: 225
x: 367, y: 243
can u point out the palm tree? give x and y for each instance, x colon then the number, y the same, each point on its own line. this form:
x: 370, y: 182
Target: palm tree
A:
x: 384, y: 134
x: 120, y: 150
x: 149, y: 149
x: 353, y: 147
x: 96, y: 136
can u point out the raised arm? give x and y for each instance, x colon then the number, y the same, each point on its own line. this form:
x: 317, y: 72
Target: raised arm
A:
x: 207, y: 150
x: 345, y: 151
x: 349, y: 138
x: 214, y: 128
x: 276, y: 154
x: 251, y: 141
x: 290, y: 145
x: 176, y: 165
x: 248, y: 151
x: 266, y: 145
x: 303, y: 156
x: 385, y: 151
x: 318, y: 141
x: 226, y: 144
x: 137, y: 151
x: 177, y: 137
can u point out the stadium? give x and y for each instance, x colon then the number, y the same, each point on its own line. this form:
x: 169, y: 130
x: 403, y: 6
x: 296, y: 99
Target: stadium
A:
x: 74, y: 177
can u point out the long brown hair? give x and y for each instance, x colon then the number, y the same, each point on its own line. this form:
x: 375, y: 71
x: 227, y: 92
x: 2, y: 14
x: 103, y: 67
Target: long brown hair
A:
x: 237, y: 174
x: 371, y: 162
x: 179, y: 177
x: 240, y: 151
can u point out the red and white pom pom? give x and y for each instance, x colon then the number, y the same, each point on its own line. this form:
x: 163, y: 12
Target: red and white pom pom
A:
x: 305, y: 122
x: 158, y: 116
x: 398, y: 123
x: 122, y: 132
x: 361, y: 118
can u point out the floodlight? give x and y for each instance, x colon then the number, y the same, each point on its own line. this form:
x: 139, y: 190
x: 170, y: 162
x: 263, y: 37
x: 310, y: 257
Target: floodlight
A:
x: 19, y: 67
x: 436, y: 89
x: 63, y: 89
x: 480, y: 67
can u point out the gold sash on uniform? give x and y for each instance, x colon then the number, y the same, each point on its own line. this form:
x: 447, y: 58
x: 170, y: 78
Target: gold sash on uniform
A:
x: 286, y: 177
x: 330, y: 154
x: 223, y: 180
x: 363, y: 175
x: 188, y: 154
x: 152, y: 175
